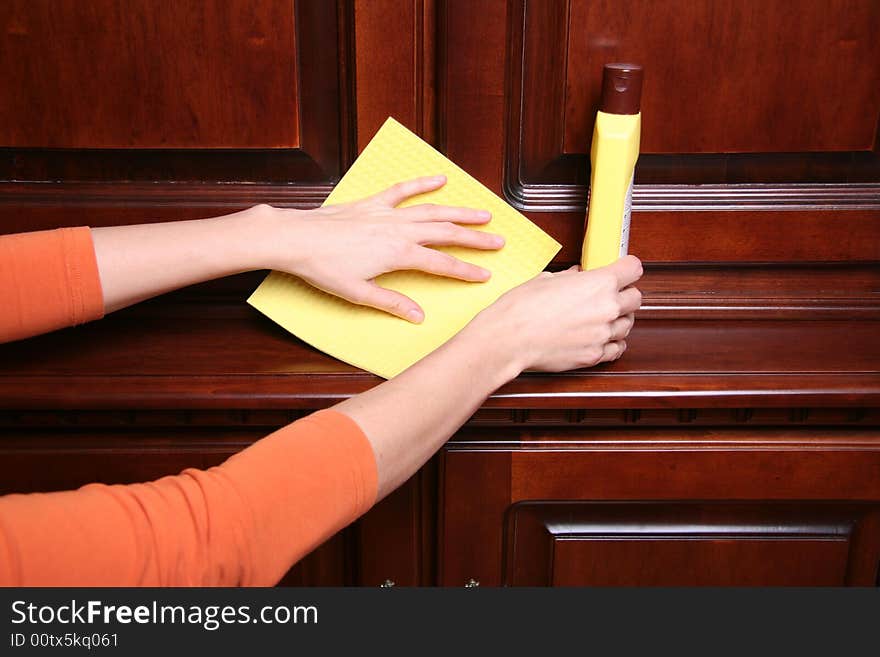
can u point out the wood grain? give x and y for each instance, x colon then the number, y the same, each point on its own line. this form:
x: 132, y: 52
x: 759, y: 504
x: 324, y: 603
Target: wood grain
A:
x: 196, y: 357
x: 664, y: 544
x: 106, y: 74
x: 542, y: 174
x: 760, y: 486
x: 395, y: 76
x: 732, y: 76
x: 747, y: 402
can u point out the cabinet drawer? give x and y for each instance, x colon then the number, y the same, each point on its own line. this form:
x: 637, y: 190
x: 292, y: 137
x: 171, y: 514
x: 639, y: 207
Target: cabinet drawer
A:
x: 616, y: 508
x: 689, y: 544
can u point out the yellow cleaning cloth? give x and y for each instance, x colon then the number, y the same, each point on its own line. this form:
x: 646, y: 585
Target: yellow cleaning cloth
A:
x: 372, y: 339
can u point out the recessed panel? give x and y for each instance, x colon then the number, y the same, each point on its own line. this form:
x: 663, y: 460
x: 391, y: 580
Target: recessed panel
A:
x: 141, y: 74
x: 732, y: 76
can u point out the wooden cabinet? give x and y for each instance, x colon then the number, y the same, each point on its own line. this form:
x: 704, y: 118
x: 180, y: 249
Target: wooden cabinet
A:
x: 625, y: 506
x: 688, y: 544
x: 736, y: 443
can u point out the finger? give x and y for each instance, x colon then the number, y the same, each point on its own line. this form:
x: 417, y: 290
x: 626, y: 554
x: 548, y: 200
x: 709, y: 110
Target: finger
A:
x: 397, y: 194
x: 630, y: 300
x: 621, y: 327
x: 446, y: 234
x: 627, y: 270
x: 443, y: 264
x: 431, y: 212
x: 381, y: 298
x: 613, y: 351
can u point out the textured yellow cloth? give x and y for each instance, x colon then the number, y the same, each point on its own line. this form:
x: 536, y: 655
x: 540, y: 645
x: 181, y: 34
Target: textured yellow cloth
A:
x: 377, y: 341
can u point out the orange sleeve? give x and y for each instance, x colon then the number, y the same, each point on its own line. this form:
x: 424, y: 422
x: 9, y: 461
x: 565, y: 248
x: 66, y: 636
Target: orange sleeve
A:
x: 244, y: 522
x: 48, y: 280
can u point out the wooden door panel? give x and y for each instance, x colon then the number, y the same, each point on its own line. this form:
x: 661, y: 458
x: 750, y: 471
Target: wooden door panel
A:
x: 754, y: 97
x: 732, y: 76
x: 188, y: 92
x: 606, y: 507
x: 746, y: 155
x: 688, y: 544
x: 140, y: 74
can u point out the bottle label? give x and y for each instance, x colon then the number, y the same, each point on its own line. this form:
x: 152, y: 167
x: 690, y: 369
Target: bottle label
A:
x: 627, y: 211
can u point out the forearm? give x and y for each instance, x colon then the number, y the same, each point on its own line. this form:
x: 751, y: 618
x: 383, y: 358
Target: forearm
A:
x: 408, y: 418
x: 139, y: 262
x: 244, y: 522
x: 48, y: 280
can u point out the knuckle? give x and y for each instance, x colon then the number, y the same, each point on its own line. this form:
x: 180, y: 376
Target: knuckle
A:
x: 358, y: 296
x: 640, y: 269
x: 396, y: 304
x: 401, y: 190
x: 637, y: 293
x: 610, y: 310
x: 459, y: 267
x: 449, y: 229
x: 402, y: 250
x: 593, y: 355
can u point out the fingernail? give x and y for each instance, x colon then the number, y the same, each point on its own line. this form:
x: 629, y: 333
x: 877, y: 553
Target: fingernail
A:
x: 498, y: 240
x: 438, y: 179
x: 485, y: 273
x: 415, y: 316
x: 482, y: 214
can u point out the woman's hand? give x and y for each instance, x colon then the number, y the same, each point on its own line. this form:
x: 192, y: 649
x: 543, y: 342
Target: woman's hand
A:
x: 341, y: 249
x: 567, y: 320
x: 554, y: 322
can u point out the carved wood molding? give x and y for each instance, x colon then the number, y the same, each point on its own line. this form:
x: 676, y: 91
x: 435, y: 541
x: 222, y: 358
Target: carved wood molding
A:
x: 485, y: 418
x: 671, y: 198
x: 540, y: 536
x: 159, y: 195
x: 396, y: 56
x: 324, y: 34
x: 538, y: 176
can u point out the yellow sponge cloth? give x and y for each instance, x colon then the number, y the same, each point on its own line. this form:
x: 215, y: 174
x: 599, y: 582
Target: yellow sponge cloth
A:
x: 379, y: 342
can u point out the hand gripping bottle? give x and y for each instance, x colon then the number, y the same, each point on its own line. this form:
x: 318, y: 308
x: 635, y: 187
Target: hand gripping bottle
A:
x: 613, y: 158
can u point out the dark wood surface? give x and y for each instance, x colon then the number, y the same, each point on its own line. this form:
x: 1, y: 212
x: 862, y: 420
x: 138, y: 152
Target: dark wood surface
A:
x: 490, y: 486
x: 754, y: 75
x: 275, y: 106
x: 108, y: 75
x: 735, y: 443
x: 208, y: 356
x: 715, y: 544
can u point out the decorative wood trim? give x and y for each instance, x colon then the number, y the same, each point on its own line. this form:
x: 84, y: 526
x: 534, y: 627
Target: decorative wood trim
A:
x: 324, y: 52
x: 694, y: 198
x: 70, y: 420
x: 159, y: 195
x: 534, y: 528
x: 397, y: 66
x: 539, y: 177
x: 425, y: 30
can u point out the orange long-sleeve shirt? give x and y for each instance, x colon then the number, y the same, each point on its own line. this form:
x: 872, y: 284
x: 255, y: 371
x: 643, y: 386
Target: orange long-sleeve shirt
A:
x: 244, y: 522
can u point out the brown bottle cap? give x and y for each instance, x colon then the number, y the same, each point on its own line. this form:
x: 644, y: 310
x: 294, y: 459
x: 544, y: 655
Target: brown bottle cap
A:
x: 621, y: 89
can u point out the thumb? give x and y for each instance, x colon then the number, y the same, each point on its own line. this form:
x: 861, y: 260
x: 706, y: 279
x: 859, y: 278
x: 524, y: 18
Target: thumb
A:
x: 381, y: 298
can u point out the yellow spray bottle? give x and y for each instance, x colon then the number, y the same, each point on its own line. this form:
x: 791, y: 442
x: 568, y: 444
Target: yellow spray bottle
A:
x: 613, y: 158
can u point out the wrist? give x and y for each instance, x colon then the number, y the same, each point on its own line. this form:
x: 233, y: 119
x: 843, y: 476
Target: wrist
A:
x: 268, y: 230
x: 495, y: 347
